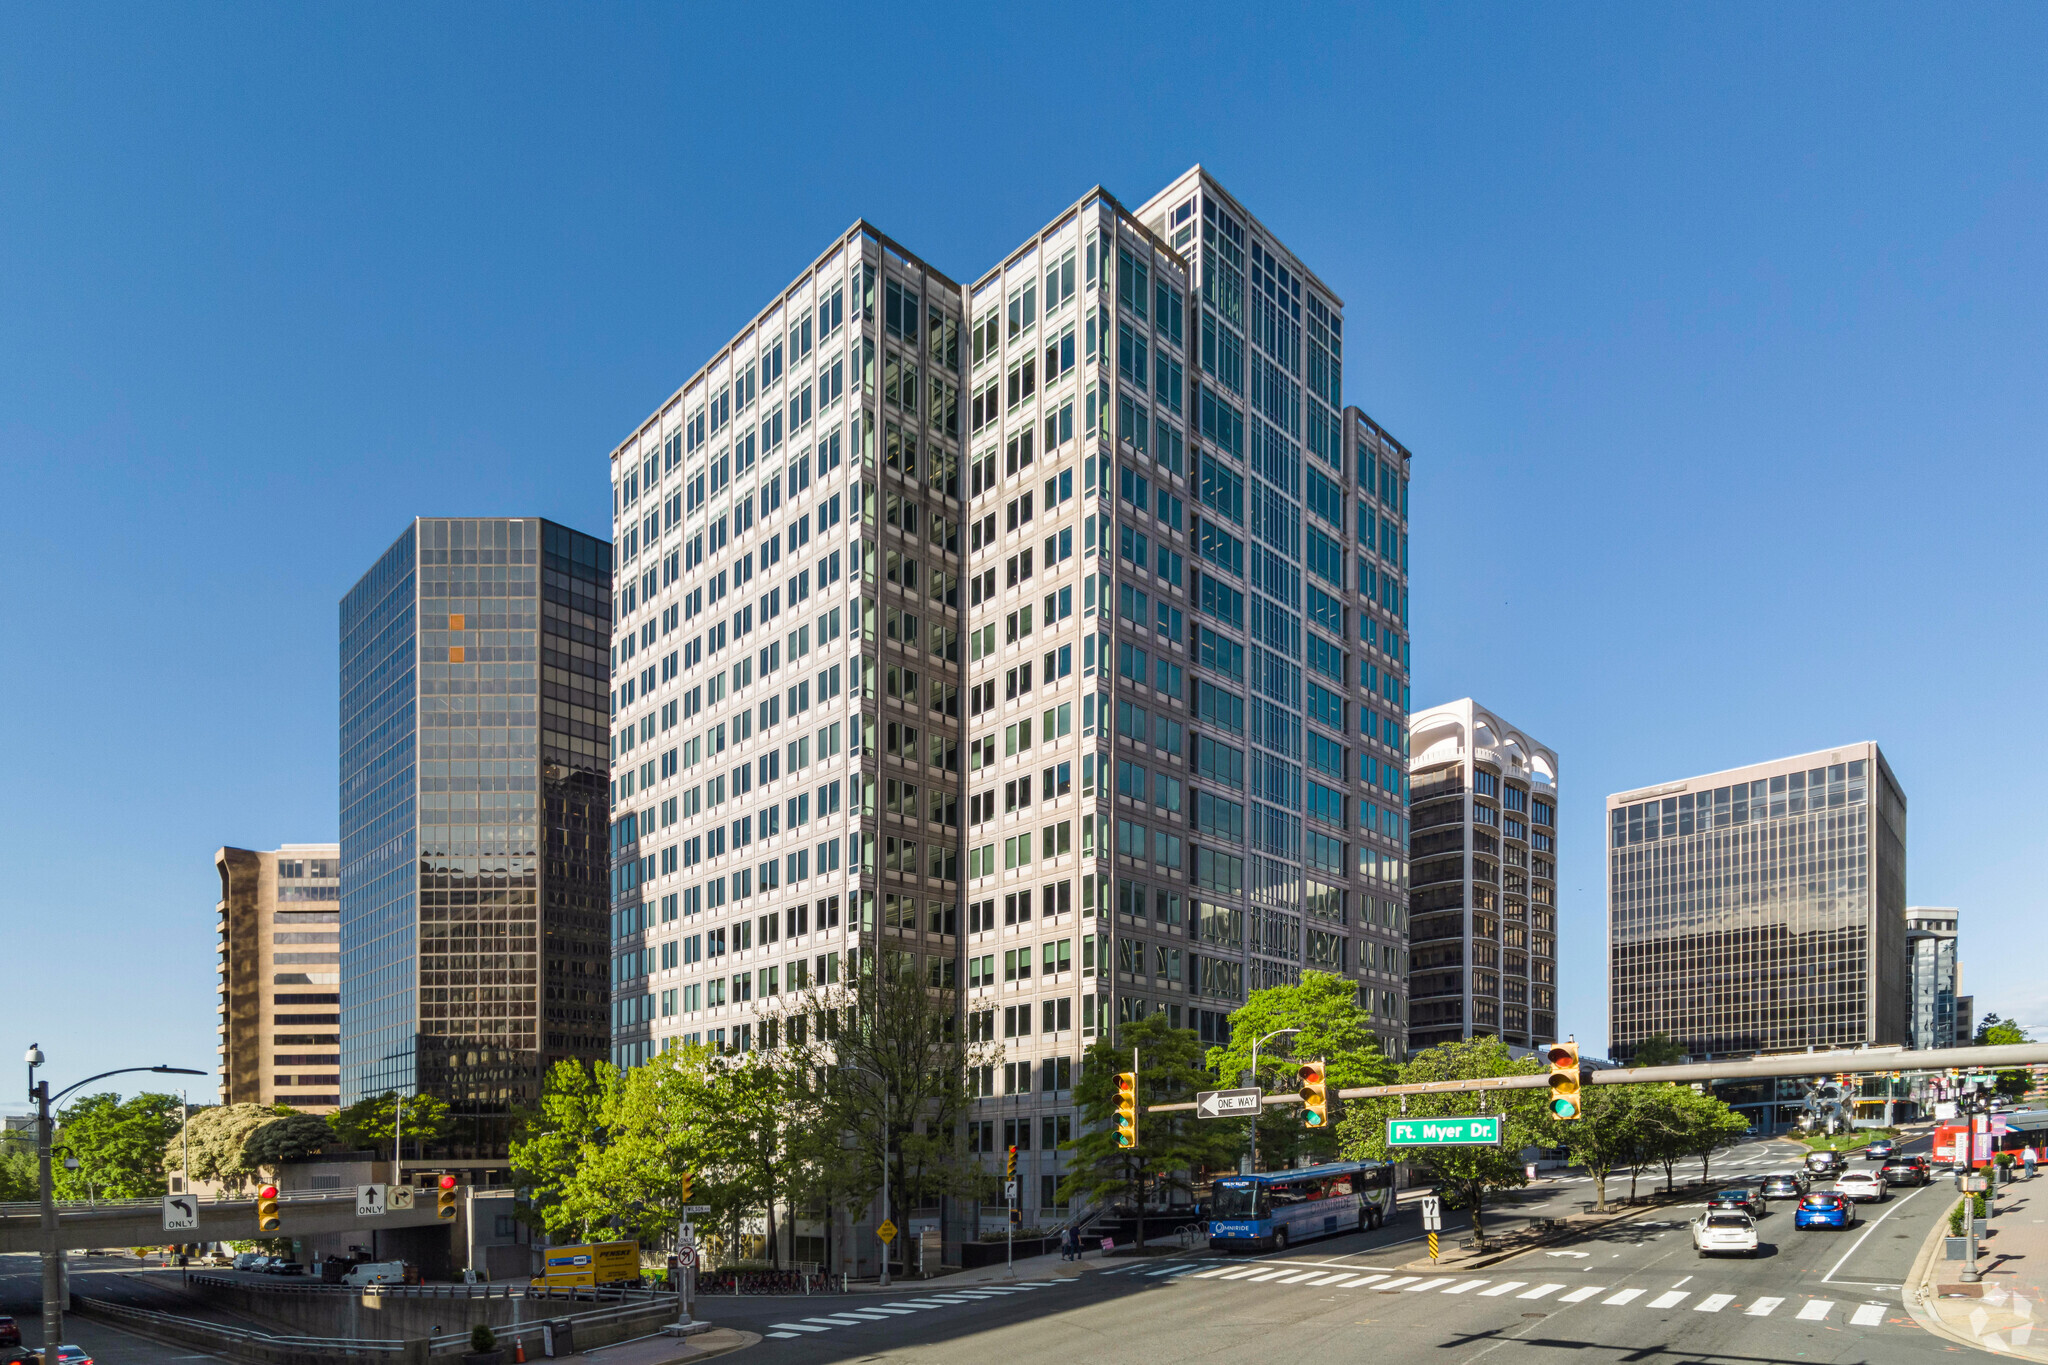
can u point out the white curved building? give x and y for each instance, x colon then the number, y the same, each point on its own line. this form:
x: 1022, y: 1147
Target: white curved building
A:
x: 1482, y: 898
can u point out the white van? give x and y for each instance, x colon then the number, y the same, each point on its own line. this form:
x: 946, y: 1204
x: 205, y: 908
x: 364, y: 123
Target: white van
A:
x: 375, y: 1272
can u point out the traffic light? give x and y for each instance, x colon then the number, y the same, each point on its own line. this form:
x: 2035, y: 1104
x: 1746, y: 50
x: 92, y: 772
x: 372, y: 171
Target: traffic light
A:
x: 689, y: 1185
x: 1127, y: 1109
x: 1016, y: 1217
x: 1010, y: 1167
x: 1315, y: 1095
x: 444, y: 1203
x: 266, y: 1209
x: 1564, y: 1080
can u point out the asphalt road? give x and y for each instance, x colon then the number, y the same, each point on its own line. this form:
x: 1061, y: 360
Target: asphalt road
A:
x: 104, y: 1277
x: 1636, y: 1292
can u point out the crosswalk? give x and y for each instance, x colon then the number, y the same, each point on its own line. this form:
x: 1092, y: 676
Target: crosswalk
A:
x: 857, y: 1313
x: 1306, y: 1276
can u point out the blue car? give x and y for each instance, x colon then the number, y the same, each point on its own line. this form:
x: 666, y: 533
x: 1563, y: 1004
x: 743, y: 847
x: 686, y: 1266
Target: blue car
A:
x: 1824, y: 1210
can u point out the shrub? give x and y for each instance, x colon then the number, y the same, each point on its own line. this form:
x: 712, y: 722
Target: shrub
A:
x: 1955, y: 1220
x: 482, y: 1338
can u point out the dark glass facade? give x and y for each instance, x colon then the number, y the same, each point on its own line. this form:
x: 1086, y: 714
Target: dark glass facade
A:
x: 473, y: 810
x: 1761, y: 909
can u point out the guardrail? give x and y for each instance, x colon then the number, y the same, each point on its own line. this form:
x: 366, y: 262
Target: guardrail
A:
x: 21, y: 1206
x: 619, y: 1294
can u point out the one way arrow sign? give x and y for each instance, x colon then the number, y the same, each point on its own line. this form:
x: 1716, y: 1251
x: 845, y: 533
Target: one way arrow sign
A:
x: 1228, y: 1104
x: 181, y: 1213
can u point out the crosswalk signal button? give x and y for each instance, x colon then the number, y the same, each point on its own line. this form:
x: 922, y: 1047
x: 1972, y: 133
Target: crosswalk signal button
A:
x: 1315, y: 1095
x: 1565, y: 1101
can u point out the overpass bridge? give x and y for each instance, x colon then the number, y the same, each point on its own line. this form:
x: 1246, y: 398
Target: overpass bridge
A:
x: 140, y: 1222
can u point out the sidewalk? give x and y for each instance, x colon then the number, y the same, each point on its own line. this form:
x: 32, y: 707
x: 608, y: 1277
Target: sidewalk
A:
x: 2008, y: 1311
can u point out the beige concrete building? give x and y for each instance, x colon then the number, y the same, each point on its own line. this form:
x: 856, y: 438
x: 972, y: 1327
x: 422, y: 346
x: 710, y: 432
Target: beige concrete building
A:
x: 279, y: 969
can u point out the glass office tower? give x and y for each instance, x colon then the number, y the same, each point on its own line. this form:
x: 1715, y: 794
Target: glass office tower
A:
x: 1760, y: 909
x: 473, y: 811
x: 1936, y: 976
x: 1048, y: 631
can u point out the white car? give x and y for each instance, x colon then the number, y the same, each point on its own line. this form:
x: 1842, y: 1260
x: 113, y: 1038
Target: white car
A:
x: 1865, y: 1187
x: 1718, y: 1231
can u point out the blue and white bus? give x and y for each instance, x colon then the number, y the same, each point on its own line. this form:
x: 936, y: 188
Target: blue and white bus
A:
x: 1279, y: 1207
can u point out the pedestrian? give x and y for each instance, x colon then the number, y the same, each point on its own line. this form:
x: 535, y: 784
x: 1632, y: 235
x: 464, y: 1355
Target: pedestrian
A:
x: 2029, y: 1158
x: 1070, y: 1243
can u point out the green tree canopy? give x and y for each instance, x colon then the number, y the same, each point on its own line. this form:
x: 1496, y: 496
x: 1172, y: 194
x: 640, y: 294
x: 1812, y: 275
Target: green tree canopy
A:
x: 289, y: 1137
x: 216, y: 1139
x: 1173, y: 1149
x: 119, y: 1145
x: 1325, y: 1008
x: 563, y: 1134
x: 367, y: 1125
x: 1658, y: 1049
x: 1605, y: 1136
x: 1468, y: 1173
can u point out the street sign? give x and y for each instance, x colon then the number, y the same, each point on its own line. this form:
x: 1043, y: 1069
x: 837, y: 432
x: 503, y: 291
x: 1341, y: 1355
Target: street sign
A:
x: 181, y: 1212
x: 1229, y: 1104
x: 370, y: 1201
x: 887, y: 1232
x: 1473, y: 1130
x: 696, y: 1208
x: 1432, y: 1213
x: 398, y: 1197
x: 1010, y: 1192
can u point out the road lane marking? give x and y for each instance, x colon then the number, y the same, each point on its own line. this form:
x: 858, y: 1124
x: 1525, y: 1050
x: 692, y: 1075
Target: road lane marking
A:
x: 1329, y: 1279
x: 1297, y: 1277
x: 1269, y: 1275
x: 1504, y: 1287
x: 1462, y: 1288
x: 840, y: 1320
x: 1816, y: 1310
x: 798, y: 1327
x: 892, y: 1312
x: 1681, y: 1283
x: 1858, y: 1244
x: 1625, y: 1296
x: 1580, y: 1295
x: 1167, y: 1269
x: 1670, y: 1298
x: 1869, y: 1315
x: 1360, y: 1281
x: 1762, y: 1308
x: 1241, y: 1274
x: 1210, y: 1274
x: 1396, y: 1284
x: 1429, y: 1284
x: 1713, y: 1303
x: 1540, y: 1290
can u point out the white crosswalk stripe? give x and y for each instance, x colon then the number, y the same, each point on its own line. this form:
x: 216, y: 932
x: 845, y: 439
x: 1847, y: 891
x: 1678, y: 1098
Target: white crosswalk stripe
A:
x: 1816, y: 1310
x: 1504, y: 1287
x: 1868, y: 1315
x: 1396, y: 1284
x: 1427, y: 1285
x: 1762, y: 1308
x: 1540, y: 1291
x: 1713, y: 1303
x: 1581, y: 1295
x: 1624, y: 1296
x: 1670, y: 1299
x: 1466, y: 1287
x: 1360, y: 1281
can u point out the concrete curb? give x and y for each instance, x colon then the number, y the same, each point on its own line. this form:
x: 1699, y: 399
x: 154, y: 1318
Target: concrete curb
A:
x: 1917, y: 1293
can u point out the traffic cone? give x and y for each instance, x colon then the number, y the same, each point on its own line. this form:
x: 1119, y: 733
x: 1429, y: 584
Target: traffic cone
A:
x: 518, y: 1353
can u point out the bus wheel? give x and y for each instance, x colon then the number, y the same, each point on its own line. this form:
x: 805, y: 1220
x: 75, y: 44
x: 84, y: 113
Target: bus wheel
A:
x: 1279, y: 1239
x: 1378, y: 1217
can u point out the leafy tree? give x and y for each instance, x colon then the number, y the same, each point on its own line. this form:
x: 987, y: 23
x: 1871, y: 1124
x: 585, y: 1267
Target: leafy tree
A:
x: 1333, y: 1027
x: 19, y: 1179
x: 1467, y: 1173
x: 1658, y: 1050
x: 291, y: 1137
x: 1172, y: 1148
x: 1605, y: 1135
x: 217, y: 1139
x: 563, y: 1134
x: 119, y: 1145
x: 367, y: 1125
x: 1993, y: 1031
x: 1708, y: 1123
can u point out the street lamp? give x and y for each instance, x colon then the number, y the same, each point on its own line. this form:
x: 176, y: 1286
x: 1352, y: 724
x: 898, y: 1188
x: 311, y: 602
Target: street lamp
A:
x: 53, y: 1256
x: 1255, y: 1080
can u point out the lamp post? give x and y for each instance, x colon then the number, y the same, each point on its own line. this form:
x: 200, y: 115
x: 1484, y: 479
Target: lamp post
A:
x: 882, y: 1081
x: 53, y: 1255
x: 1255, y: 1080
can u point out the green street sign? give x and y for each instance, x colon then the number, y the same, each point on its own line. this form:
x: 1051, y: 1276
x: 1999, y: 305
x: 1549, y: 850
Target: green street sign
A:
x: 1477, y: 1130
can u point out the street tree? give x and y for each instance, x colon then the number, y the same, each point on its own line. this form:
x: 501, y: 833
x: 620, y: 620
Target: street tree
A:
x: 1709, y: 1123
x: 119, y: 1145
x: 216, y: 1141
x: 1604, y: 1136
x: 563, y: 1135
x: 288, y: 1137
x: 1658, y: 1050
x: 1993, y: 1031
x: 1173, y: 1149
x: 368, y: 1124
x: 1468, y: 1174
x: 1333, y: 1026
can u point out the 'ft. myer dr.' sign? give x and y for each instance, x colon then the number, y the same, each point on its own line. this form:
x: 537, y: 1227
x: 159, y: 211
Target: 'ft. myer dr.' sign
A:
x: 1479, y: 1130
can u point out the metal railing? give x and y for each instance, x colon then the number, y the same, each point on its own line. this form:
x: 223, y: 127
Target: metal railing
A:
x: 620, y: 1294
x: 30, y: 1206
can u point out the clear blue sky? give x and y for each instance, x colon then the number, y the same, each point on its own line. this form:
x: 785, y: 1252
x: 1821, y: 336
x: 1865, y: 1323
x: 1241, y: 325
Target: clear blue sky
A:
x: 1718, y: 333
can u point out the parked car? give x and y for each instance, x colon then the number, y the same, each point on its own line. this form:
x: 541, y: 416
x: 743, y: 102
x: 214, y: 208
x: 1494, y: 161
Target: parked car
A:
x: 1824, y: 1209
x: 1825, y: 1163
x: 1906, y: 1170
x: 1749, y: 1201
x: 1880, y: 1149
x: 1718, y: 1231
x: 1786, y: 1185
x: 375, y: 1272
x: 10, y: 1331
x: 1866, y: 1187
x: 246, y: 1260
x: 281, y: 1266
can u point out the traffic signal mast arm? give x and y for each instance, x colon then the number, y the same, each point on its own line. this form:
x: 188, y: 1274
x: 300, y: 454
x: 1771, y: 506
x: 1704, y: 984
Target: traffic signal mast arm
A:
x: 1866, y: 1061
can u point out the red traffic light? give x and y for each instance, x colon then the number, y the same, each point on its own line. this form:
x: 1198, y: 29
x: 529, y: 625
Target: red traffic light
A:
x: 267, y: 1192
x: 447, y: 1182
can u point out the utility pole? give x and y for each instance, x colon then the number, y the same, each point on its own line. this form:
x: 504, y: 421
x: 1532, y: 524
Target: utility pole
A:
x: 1255, y: 1081
x: 397, y: 1135
x: 885, y: 1179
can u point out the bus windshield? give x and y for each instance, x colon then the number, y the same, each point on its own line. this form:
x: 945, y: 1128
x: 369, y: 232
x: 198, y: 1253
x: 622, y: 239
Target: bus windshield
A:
x: 1240, y: 1201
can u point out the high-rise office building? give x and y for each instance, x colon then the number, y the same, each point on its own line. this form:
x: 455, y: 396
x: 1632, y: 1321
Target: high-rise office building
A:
x: 1934, y: 977
x: 474, y: 781
x: 278, y: 926
x: 1483, y: 880
x: 1760, y: 909
x: 1049, y: 629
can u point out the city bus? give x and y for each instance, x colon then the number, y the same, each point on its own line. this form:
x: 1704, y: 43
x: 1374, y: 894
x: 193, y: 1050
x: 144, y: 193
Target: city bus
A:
x: 2012, y: 1131
x: 1276, y: 1208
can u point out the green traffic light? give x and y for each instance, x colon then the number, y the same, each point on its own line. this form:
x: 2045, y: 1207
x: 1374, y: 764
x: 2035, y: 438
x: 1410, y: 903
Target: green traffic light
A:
x: 1564, y: 1108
